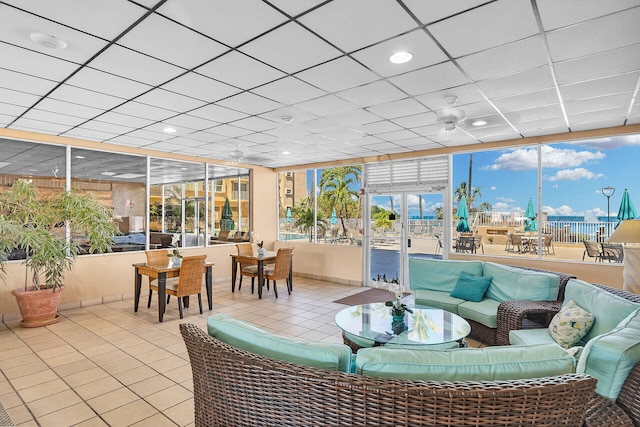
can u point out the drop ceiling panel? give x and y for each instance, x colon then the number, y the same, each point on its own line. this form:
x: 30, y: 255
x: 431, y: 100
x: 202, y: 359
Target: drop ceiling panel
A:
x: 10, y: 111
x: 355, y: 117
x: 430, y: 79
x: 555, y: 14
x: 25, y: 83
x: 39, y: 126
x: 515, y: 84
x: 200, y: 87
x: 295, y: 113
x: 48, y: 116
x: 429, y: 12
x: 588, y: 125
x: 170, y: 100
x: 337, y: 75
x: 144, y: 111
x: 354, y: 24
x: 35, y: 64
x: 217, y: 113
x: 527, y: 100
x: 378, y: 127
x: 545, y: 131
x: 467, y: 94
x: 103, y: 19
x: 537, y: 113
x: 17, y: 27
x: 486, y: 27
x: 396, y: 135
x: 229, y: 131
x: 318, y: 125
x: 289, y: 90
x: 90, y: 134
x: 129, y: 64
x: 232, y: 23
x: 239, y: 70
x: 69, y: 108
x: 17, y: 98
x: 598, y: 103
x: 343, y: 134
x: 106, y: 127
x: 190, y: 122
x: 551, y: 122
x: 124, y: 120
x: 604, y: 64
x: 86, y: 97
x: 597, y: 35
x: 110, y: 84
x: 424, y: 50
x: 505, y: 59
x: 249, y: 103
x: 326, y: 105
x: 173, y: 43
x: 372, y: 94
x: 297, y: 7
x: 416, y: 120
x: 255, y: 124
x: 298, y: 48
x: 609, y: 85
x: 614, y: 115
x: 400, y: 108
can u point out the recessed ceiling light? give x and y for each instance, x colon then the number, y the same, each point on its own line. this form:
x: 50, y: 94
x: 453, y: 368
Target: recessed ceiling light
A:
x: 107, y: 173
x: 287, y: 119
x: 47, y: 41
x: 401, y: 57
x: 78, y: 157
x: 169, y: 130
x: 479, y: 123
x: 286, y: 153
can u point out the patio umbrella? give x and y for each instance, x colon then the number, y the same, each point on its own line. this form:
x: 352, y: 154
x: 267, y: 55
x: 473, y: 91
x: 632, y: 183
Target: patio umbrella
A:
x: 226, y: 220
x: 334, y: 219
x: 463, y: 215
x: 288, y: 215
x: 626, y: 210
x: 530, y: 223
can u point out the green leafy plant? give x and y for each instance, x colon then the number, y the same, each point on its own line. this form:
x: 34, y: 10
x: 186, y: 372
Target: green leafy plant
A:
x: 52, y: 230
x: 174, y: 254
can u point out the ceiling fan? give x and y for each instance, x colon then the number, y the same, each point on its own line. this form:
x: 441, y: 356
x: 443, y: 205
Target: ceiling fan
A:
x: 451, y: 116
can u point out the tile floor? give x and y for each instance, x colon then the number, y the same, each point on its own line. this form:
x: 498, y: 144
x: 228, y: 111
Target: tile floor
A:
x: 106, y: 365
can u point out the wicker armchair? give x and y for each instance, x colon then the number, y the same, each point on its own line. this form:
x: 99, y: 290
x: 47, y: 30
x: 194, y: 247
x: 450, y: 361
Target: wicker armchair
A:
x: 158, y: 256
x: 233, y: 387
x: 281, y: 270
x: 188, y: 283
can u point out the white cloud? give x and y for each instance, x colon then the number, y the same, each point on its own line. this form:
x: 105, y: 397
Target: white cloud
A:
x: 561, y: 210
x: 527, y: 158
x: 493, y: 188
x: 609, y: 143
x: 574, y: 175
x: 505, y: 199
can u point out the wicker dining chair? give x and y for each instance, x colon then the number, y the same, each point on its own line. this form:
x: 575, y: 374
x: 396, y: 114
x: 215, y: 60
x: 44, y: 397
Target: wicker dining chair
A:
x: 246, y: 249
x: 157, y: 256
x: 188, y: 283
x: 281, y: 269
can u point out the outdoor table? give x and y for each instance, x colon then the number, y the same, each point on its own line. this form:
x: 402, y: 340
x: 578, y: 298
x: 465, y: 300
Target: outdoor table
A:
x: 163, y: 271
x: 269, y: 257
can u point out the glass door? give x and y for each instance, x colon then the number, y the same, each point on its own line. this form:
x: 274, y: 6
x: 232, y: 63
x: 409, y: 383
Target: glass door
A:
x: 193, y: 222
x: 402, y: 225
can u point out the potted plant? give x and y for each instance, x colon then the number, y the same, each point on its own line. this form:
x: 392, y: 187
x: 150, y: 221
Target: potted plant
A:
x: 176, y: 257
x: 37, y: 226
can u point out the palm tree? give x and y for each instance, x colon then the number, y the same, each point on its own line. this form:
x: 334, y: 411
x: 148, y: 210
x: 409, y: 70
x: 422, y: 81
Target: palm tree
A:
x: 337, y: 189
x: 305, y: 220
x: 471, y: 194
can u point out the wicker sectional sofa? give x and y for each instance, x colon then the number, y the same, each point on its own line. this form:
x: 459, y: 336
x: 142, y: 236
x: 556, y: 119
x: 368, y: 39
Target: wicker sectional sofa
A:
x: 517, y: 297
x: 236, y: 387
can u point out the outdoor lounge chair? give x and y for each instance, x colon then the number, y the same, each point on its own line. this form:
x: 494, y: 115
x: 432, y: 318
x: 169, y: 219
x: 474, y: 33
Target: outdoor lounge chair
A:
x: 592, y: 249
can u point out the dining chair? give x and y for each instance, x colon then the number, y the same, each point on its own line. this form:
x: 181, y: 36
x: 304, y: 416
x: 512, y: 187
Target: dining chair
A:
x: 281, y: 269
x: 246, y: 249
x: 547, y: 244
x: 592, y: 250
x: 516, y: 240
x: 508, y: 246
x: 189, y: 282
x: 157, y: 256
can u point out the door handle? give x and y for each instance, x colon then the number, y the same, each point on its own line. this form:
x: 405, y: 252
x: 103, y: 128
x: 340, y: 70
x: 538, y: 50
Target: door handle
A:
x: 408, y: 243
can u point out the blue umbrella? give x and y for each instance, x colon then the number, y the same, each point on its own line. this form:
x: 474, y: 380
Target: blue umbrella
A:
x: 530, y: 224
x: 463, y: 215
x: 288, y: 215
x: 334, y: 219
x: 626, y: 211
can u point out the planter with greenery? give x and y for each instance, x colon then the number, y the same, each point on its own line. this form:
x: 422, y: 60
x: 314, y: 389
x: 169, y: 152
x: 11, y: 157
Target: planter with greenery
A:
x: 51, y: 231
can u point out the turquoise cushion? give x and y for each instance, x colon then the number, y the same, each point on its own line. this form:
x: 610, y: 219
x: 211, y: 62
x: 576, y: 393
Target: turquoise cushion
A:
x: 335, y: 357
x: 608, y: 310
x: 471, y: 288
x: 516, y: 284
x: 530, y: 336
x: 610, y: 357
x: 437, y: 299
x: 466, y: 364
x: 485, y: 312
x: 439, y: 275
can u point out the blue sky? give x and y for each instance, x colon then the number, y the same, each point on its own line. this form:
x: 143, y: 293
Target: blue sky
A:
x: 573, y: 176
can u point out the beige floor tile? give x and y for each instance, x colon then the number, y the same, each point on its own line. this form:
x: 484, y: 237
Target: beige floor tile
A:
x: 112, y: 400
x: 157, y: 420
x: 179, y: 374
x: 35, y: 378
x: 182, y: 413
x: 171, y: 396
x: 135, y: 375
x: 85, y: 376
x: 22, y: 370
x: 92, y: 422
x: 21, y: 415
x: 151, y: 385
x: 98, y: 387
x: 43, y: 389
x: 54, y: 403
x: 74, y: 367
x: 68, y: 416
x: 130, y: 413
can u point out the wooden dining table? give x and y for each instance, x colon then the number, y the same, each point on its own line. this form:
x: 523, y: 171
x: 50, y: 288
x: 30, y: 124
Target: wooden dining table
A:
x: 163, y: 271
x: 269, y: 257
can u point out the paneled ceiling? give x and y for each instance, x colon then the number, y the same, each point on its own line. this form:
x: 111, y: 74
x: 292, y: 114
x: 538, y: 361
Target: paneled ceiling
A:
x: 280, y: 83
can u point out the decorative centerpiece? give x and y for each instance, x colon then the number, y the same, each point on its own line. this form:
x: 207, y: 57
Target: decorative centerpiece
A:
x: 176, y: 258
x: 397, y: 307
x: 260, y: 248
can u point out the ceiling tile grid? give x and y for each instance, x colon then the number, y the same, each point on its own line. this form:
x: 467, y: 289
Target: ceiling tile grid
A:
x: 265, y: 76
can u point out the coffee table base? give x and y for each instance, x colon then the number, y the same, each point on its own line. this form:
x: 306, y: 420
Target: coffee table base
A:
x: 355, y: 347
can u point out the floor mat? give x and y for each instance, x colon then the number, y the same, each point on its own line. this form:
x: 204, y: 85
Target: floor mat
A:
x: 367, y: 297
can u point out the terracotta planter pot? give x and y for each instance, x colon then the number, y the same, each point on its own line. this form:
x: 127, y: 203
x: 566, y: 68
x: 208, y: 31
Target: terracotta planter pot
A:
x: 38, y: 308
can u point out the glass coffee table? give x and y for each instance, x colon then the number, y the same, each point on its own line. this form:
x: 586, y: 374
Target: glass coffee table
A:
x: 425, y: 326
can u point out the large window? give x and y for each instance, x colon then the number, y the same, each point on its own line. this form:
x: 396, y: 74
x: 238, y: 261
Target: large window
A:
x: 321, y: 205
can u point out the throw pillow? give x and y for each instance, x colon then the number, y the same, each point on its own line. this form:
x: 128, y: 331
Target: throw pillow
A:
x: 471, y: 288
x: 570, y: 324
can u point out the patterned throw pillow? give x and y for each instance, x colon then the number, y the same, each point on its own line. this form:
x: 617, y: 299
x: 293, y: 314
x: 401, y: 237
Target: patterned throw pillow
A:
x: 570, y: 324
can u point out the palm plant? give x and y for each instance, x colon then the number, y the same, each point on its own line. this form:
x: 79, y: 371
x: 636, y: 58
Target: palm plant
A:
x: 337, y: 188
x: 305, y: 219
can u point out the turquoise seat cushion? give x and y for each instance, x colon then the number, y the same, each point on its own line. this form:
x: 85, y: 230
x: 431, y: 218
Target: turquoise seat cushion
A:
x: 471, y: 288
x: 485, y: 312
x: 530, y: 336
x: 466, y: 364
x: 439, y: 275
x: 437, y: 299
x: 335, y: 357
x: 608, y: 309
x: 366, y: 343
x: 610, y: 357
x: 515, y: 284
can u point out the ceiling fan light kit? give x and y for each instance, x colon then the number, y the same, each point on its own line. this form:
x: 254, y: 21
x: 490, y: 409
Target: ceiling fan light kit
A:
x: 451, y: 116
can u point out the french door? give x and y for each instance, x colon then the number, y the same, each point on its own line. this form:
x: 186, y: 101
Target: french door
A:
x: 401, y: 225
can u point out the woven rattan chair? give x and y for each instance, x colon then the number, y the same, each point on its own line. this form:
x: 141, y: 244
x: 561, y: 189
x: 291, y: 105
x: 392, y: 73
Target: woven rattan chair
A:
x: 158, y: 256
x: 281, y: 270
x: 230, y: 386
x: 246, y: 249
x: 188, y: 283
